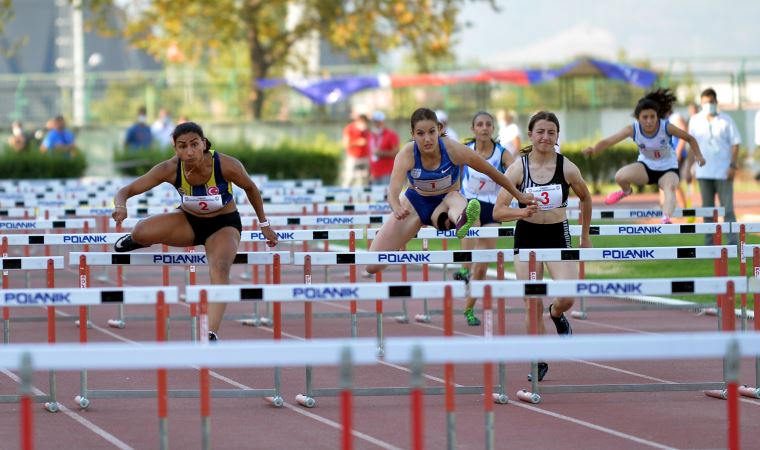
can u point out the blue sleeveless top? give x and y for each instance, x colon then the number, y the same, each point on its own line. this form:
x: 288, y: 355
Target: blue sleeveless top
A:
x: 443, y: 177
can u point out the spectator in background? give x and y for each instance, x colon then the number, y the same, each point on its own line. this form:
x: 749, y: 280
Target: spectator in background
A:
x: 384, y: 145
x: 139, y: 135
x: 719, y: 140
x: 162, y: 128
x: 356, y: 142
x: 509, y: 132
x: 182, y: 119
x: 59, y: 139
x: 443, y: 119
x: 18, y: 140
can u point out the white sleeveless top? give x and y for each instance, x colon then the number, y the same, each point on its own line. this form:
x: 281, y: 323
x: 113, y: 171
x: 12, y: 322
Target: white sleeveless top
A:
x: 655, y: 151
x: 479, y: 185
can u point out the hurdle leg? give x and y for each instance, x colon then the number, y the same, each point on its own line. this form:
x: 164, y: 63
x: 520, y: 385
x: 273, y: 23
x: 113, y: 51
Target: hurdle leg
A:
x: 379, y: 320
x: 27, y: 414
x: 6, y: 325
x: 425, y: 316
x: 119, y: 322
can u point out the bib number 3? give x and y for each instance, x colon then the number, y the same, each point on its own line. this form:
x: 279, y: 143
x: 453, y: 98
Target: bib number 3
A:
x: 548, y: 197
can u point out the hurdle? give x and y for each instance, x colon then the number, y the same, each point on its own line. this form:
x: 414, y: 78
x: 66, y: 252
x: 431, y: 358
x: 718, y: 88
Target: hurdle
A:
x: 412, y: 351
x: 622, y: 213
x: 308, y: 293
x: 602, y: 288
x: 292, y: 236
x: 87, y: 259
x: 27, y: 263
x: 719, y: 253
x: 28, y: 298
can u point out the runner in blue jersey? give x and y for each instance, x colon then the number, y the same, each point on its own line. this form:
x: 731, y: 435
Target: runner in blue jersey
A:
x: 431, y: 165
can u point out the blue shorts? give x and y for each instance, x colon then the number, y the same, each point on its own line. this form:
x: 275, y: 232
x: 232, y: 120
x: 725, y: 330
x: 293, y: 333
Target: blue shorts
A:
x: 424, y: 204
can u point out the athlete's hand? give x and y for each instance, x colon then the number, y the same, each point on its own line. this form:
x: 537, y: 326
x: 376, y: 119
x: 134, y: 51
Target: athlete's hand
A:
x: 526, y: 199
x: 400, y: 213
x: 529, y: 210
x: 586, y: 242
x: 271, y: 236
x: 588, y: 151
x: 119, y: 214
x: 701, y: 160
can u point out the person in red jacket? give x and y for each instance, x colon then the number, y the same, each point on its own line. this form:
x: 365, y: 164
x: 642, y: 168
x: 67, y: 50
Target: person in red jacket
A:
x: 383, y: 145
x: 356, y: 144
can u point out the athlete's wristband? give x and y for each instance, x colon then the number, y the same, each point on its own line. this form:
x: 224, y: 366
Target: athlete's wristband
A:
x: 119, y: 206
x: 264, y: 224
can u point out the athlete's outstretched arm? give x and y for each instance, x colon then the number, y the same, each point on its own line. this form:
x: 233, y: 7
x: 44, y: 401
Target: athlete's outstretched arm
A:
x: 608, y: 142
x: 462, y: 155
x: 576, y: 181
x: 160, y: 173
x: 402, y: 163
x: 503, y: 210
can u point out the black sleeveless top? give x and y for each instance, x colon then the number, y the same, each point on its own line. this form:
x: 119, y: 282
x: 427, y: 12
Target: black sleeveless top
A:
x: 557, y: 178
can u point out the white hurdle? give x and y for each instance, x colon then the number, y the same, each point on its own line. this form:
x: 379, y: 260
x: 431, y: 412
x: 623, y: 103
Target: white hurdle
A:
x: 414, y: 352
x: 719, y: 253
x: 87, y: 259
x: 620, y: 213
x: 333, y: 292
x: 54, y: 297
x: 725, y: 286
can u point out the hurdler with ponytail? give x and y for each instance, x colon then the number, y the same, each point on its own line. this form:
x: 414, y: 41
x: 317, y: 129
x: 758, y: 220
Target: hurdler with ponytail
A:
x: 657, y: 162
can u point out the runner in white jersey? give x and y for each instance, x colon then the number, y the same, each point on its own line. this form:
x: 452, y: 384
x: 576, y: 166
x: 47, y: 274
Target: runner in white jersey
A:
x: 479, y: 186
x: 657, y: 162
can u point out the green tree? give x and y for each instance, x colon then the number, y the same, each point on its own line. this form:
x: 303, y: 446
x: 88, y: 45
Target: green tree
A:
x: 201, y: 33
x: 7, y: 14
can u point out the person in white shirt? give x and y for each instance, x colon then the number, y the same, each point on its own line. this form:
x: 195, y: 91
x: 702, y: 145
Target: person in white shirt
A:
x: 163, y: 128
x: 443, y: 119
x: 719, y: 140
x: 509, y: 132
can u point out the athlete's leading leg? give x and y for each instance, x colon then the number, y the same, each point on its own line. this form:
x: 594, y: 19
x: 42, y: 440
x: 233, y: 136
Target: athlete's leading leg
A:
x: 627, y: 175
x: 668, y: 183
x: 395, y: 233
x: 562, y: 271
x: 221, y: 248
x: 170, y: 229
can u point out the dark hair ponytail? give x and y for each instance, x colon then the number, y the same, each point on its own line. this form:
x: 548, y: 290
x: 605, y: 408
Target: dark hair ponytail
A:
x: 661, y: 100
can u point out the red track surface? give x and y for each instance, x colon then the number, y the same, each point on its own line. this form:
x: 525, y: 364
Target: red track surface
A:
x: 688, y: 420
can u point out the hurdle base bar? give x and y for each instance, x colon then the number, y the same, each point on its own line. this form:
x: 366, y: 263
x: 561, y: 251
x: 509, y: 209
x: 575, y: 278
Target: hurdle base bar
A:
x: 89, y: 324
x: 500, y: 399
x: 528, y: 397
x: 117, y: 323
x: 182, y: 393
x: 306, y: 401
x: 427, y: 390
x: 749, y: 391
x: 275, y: 401
x: 580, y: 315
x: 644, y: 387
x: 422, y: 318
x: 720, y: 394
x: 403, y: 318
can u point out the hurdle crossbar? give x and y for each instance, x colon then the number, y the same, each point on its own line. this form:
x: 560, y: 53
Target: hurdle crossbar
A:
x: 617, y: 214
x: 170, y: 259
x: 628, y: 254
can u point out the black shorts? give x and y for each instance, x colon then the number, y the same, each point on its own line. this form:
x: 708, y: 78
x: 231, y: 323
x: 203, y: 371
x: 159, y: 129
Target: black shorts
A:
x: 541, y: 235
x: 655, y: 175
x: 486, y: 213
x: 203, y: 227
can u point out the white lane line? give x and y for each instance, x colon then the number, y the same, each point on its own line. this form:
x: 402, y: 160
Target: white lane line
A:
x: 323, y: 420
x: 81, y: 420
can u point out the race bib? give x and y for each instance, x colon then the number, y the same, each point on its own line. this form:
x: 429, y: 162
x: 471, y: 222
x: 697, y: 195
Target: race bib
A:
x: 433, y: 185
x: 481, y: 185
x: 202, y: 204
x: 547, y: 197
x: 655, y: 153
